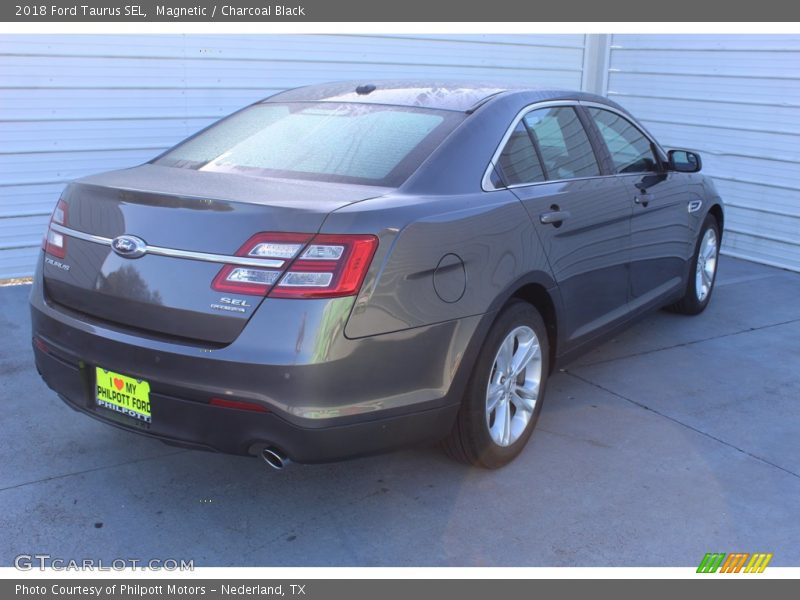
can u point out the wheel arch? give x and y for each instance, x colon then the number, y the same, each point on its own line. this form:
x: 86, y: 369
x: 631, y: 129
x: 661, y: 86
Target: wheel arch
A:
x: 719, y: 215
x: 540, y: 298
x: 539, y: 290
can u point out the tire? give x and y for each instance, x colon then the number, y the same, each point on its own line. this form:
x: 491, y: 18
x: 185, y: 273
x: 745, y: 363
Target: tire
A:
x: 479, y: 436
x: 697, y: 296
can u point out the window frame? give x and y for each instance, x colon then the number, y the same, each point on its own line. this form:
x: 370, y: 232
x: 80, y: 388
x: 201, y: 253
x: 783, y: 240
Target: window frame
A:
x: 599, y: 147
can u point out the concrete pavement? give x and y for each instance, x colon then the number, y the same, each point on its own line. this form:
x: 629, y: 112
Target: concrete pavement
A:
x: 678, y: 438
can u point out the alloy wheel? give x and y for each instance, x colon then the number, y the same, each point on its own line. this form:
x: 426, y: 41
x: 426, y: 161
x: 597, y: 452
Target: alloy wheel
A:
x: 706, y: 265
x: 513, y: 389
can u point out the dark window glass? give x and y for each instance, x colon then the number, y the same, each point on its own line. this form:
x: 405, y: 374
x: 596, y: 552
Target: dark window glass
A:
x: 323, y: 141
x: 518, y: 162
x: 563, y: 143
x: 629, y: 148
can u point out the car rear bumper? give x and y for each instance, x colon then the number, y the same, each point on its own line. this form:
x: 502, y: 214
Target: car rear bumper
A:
x: 365, y: 396
x: 195, y: 425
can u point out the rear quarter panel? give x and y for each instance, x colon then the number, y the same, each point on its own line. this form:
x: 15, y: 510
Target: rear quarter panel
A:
x: 439, y: 258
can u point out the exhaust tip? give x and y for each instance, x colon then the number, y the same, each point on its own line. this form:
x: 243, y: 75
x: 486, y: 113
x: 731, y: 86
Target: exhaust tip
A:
x: 274, y: 458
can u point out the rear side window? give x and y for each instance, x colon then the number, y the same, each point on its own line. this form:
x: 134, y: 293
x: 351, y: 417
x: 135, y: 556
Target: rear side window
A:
x: 630, y: 149
x: 323, y: 141
x: 563, y: 143
x: 519, y: 162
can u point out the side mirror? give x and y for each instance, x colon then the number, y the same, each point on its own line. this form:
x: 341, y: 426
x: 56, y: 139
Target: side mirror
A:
x: 684, y: 161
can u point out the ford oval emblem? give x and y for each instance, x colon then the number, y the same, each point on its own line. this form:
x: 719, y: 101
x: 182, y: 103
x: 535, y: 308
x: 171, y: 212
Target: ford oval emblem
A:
x: 129, y: 246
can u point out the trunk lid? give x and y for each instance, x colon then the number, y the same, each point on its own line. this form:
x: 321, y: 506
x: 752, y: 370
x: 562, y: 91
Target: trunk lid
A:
x: 176, y: 209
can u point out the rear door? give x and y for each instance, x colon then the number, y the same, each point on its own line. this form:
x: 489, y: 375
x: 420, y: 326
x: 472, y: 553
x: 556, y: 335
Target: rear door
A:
x: 659, y: 200
x: 581, y: 216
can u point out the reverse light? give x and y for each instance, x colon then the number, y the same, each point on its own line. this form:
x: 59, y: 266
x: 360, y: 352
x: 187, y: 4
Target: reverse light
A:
x: 300, y: 279
x: 273, y: 250
x: 256, y: 276
x: 321, y: 266
x: 54, y: 242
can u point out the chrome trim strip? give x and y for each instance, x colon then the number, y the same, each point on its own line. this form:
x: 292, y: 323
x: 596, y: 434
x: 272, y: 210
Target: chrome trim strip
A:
x: 174, y: 253
x: 486, y: 182
x: 217, y: 258
x: 88, y: 237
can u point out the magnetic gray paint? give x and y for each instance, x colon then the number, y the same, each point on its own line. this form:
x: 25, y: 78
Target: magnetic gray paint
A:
x: 450, y: 255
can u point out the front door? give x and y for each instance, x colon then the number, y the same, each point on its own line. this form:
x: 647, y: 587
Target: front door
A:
x: 581, y: 217
x: 659, y: 199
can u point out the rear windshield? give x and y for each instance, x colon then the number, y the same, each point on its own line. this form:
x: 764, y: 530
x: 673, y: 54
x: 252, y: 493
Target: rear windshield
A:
x: 324, y: 141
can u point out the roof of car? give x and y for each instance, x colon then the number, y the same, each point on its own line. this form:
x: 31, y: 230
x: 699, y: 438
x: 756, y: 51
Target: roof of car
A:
x: 445, y: 95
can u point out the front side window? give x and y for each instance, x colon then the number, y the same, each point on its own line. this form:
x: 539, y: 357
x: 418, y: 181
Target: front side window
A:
x: 322, y: 141
x: 562, y: 142
x: 631, y: 151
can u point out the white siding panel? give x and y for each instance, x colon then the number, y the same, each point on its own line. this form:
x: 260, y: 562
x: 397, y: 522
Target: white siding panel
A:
x: 74, y: 105
x: 28, y: 200
x: 547, y: 41
x: 753, y: 90
x: 21, y: 137
x: 344, y: 47
x: 60, y: 167
x: 771, y: 226
x: 764, y: 250
x: 22, y: 232
x: 765, y: 198
x: 57, y: 104
x: 71, y: 105
x: 658, y: 43
x: 17, y: 262
x: 723, y: 141
x: 116, y: 73
x: 747, y: 117
x: 736, y: 99
x: 719, y: 63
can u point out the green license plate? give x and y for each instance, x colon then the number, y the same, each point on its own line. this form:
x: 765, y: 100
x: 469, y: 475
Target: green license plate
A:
x: 123, y: 394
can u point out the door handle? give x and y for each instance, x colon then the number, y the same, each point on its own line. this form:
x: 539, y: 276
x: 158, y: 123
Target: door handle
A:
x: 643, y: 199
x: 554, y: 217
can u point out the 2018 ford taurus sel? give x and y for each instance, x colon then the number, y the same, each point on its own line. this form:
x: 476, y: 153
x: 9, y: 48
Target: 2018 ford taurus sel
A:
x: 349, y: 268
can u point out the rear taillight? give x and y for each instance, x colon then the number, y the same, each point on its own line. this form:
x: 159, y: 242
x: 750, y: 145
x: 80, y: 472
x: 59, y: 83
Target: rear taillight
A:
x: 54, y: 242
x: 299, y: 266
x: 277, y: 250
x: 330, y: 266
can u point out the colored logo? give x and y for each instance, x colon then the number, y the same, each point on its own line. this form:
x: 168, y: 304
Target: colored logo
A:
x: 735, y: 562
x: 129, y: 246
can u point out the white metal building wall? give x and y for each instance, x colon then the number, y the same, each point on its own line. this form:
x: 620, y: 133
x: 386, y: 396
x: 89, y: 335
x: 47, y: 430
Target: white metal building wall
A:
x: 736, y: 99
x: 74, y: 105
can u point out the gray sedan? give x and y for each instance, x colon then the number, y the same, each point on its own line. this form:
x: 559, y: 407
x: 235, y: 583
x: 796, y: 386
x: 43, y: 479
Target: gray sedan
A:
x: 349, y: 268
